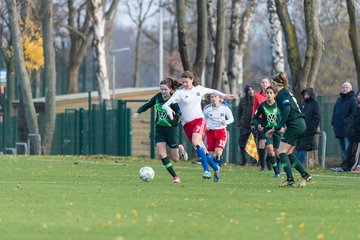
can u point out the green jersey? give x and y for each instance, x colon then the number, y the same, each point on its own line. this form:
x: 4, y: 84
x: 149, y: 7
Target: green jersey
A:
x: 162, y: 118
x: 290, y: 110
x: 270, y: 115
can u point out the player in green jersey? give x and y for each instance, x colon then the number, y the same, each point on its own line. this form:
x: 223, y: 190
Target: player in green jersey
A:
x: 270, y: 117
x: 293, y: 125
x: 166, y: 130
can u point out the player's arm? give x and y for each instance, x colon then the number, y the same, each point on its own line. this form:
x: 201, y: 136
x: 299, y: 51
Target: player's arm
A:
x: 284, y: 116
x: 175, y: 98
x: 255, y: 104
x: 229, y: 116
x: 145, y: 107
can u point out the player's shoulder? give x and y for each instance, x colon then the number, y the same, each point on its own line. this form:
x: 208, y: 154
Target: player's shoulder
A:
x: 208, y: 107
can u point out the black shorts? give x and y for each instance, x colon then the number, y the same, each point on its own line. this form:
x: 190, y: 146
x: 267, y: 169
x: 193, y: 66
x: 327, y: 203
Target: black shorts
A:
x: 294, y: 131
x: 170, y: 135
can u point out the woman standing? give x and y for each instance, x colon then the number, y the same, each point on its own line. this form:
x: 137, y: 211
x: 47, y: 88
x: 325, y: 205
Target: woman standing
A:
x: 292, y: 117
x: 270, y: 117
x: 259, y: 98
x: 189, y: 100
x: 166, y: 130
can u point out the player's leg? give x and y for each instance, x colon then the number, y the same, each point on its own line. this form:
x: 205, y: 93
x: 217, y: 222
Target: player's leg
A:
x: 285, y: 163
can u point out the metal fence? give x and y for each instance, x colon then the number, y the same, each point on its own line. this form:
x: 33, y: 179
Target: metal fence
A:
x: 112, y: 132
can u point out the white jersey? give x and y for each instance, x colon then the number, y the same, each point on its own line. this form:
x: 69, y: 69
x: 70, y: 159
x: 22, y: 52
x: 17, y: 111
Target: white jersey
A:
x: 218, y: 117
x: 189, y: 102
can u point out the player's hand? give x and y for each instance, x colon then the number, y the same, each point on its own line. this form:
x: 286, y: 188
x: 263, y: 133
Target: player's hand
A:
x: 270, y: 132
x: 135, y: 115
x: 230, y: 96
x: 260, y: 128
x: 223, y: 122
x: 252, y: 128
x: 282, y: 130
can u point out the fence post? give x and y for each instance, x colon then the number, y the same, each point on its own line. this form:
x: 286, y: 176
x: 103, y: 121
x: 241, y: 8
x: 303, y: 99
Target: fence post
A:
x: 152, y: 133
x: 81, y: 131
x: 323, y: 148
x: 120, y: 128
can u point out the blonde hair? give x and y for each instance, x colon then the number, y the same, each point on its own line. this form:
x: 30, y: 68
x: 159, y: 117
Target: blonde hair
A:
x: 281, y: 79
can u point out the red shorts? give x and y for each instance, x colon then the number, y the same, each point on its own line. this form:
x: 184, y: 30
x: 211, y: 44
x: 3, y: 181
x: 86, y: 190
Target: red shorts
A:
x: 216, y: 139
x: 197, y: 125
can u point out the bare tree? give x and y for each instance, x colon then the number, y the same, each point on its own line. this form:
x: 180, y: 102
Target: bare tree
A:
x: 201, y: 47
x: 99, y: 18
x: 353, y: 36
x: 219, y: 45
x: 24, y: 82
x: 144, y: 12
x: 80, y: 30
x: 50, y: 74
x: 276, y: 39
x: 237, y: 43
x: 302, y: 75
x: 210, y: 58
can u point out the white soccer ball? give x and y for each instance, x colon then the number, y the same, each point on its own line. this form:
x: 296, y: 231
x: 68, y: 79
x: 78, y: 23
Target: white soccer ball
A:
x: 146, y: 174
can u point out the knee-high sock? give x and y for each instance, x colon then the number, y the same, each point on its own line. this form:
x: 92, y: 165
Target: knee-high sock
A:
x: 262, y: 157
x: 285, y: 163
x: 168, y: 165
x: 295, y: 163
x: 273, y: 162
x: 202, y: 157
x: 211, y: 162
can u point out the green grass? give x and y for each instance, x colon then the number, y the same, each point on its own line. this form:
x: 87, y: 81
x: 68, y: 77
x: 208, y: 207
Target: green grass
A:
x: 57, y: 197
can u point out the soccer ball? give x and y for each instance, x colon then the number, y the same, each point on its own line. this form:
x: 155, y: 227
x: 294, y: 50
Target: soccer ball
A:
x: 146, y: 174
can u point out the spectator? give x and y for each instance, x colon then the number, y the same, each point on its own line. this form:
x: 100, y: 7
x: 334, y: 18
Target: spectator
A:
x: 244, y: 116
x: 259, y: 98
x: 351, y: 162
x: 343, y: 114
x: 311, y: 109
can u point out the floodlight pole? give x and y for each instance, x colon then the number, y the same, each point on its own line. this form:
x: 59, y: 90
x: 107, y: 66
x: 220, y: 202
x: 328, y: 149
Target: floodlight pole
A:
x: 161, y: 42
x: 113, y: 55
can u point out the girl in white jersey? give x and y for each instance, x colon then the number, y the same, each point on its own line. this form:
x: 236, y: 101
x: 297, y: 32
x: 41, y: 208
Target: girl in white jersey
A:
x: 217, y: 117
x: 189, y: 100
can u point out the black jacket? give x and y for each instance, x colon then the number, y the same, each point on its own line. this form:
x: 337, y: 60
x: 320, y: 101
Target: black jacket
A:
x: 354, y: 134
x: 244, y: 110
x: 343, y: 114
x: 311, y: 109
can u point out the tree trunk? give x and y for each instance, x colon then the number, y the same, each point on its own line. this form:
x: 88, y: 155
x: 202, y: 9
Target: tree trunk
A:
x: 183, y: 47
x: 219, y: 45
x: 50, y: 74
x: 24, y: 82
x: 353, y: 37
x: 237, y: 43
x: 315, y: 44
x: 137, y: 57
x: 98, y: 14
x: 294, y: 58
x: 201, y: 46
x: 79, y: 38
x: 275, y: 39
x: 210, y: 58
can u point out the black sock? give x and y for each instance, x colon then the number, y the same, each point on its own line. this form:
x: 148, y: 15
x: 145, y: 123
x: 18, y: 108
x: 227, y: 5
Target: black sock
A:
x: 262, y: 157
x: 168, y: 166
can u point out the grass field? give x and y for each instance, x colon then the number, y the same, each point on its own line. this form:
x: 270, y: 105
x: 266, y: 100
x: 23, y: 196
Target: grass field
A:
x: 57, y: 197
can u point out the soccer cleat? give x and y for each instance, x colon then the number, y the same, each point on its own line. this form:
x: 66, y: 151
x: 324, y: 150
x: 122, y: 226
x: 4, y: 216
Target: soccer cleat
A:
x: 277, y: 175
x: 217, y: 176
x: 261, y: 169
x: 305, y: 180
x: 206, y: 175
x: 176, y: 179
x: 287, y: 183
x: 183, y: 153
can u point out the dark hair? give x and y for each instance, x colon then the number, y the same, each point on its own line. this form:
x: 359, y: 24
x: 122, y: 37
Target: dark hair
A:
x: 272, y: 88
x: 171, y: 82
x: 281, y: 78
x: 190, y: 75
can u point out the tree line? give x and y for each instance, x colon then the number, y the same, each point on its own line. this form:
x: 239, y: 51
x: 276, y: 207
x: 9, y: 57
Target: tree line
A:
x: 208, y: 37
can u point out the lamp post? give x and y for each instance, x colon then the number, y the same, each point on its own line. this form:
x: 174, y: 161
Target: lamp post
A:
x: 113, y: 55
